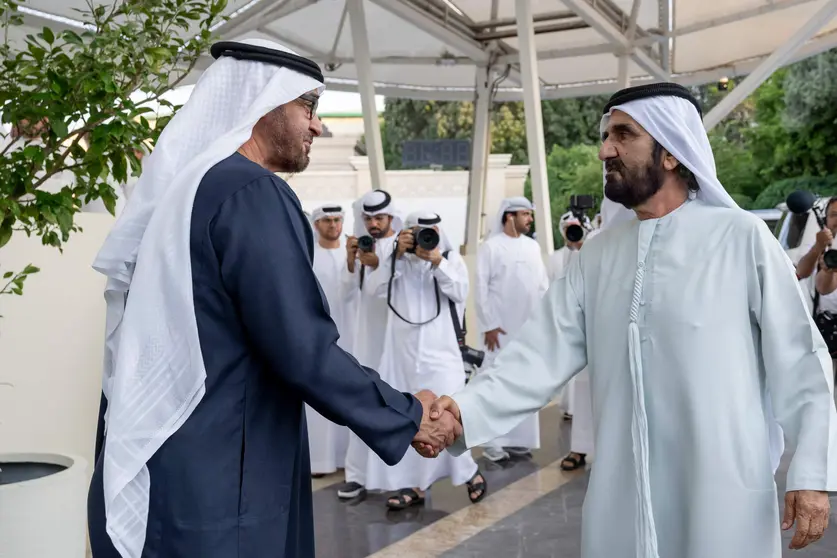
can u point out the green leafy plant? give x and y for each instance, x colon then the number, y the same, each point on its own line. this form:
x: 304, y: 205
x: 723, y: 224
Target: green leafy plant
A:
x: 79, y: 104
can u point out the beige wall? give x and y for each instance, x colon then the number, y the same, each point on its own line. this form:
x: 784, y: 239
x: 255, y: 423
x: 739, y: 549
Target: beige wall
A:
x: 51, y: 344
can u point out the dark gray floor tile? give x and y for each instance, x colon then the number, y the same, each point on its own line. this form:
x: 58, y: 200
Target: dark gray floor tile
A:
x: 356, y: 529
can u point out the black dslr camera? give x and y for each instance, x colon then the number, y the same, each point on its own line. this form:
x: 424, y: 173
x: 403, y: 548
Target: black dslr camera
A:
x: 366, y: 243
x: 579, y: 205
x: 425, y: 237
x: 472, y: 356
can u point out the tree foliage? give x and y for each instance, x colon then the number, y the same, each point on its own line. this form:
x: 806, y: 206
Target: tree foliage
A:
x: 76, y: 103
x: 777, y: 192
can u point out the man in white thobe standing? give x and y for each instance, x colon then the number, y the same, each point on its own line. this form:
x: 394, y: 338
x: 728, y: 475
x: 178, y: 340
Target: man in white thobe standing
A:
x: 418, y: 285
x: 687, y: 314
x: 578, y: 402
x: 556, y: 267
x: 327, y: 441
x: 511, y: 279
x: 376, y: 222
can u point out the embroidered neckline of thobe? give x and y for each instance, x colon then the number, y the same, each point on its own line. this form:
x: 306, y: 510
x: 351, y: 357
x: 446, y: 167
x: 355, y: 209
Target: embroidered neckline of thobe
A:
x: 645, y: 528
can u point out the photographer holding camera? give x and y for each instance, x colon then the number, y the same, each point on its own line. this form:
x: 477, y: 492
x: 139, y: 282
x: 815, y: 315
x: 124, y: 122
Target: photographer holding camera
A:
x: 823, y: 258
x: 575, y: 397
x: 574, y: 229
x: 419, y: 281
x: 825, y: 237
x: 376, y: 222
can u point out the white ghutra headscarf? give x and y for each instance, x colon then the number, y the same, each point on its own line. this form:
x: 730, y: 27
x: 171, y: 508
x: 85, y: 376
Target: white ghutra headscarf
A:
x: 328, y: 210
x: 675, y: 123
x: 154, y: 371
x: 518, y: 203
x: 376, y: 202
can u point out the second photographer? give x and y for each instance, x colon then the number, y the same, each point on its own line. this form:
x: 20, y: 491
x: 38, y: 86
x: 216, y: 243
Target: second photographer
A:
x: 823, y: 257
x: 421, y: 350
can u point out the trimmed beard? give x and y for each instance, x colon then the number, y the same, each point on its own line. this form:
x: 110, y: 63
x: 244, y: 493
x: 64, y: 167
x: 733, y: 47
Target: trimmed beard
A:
x: 634, y: 188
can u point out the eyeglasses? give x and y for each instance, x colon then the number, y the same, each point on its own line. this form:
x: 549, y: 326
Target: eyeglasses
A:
x: 310, y: 101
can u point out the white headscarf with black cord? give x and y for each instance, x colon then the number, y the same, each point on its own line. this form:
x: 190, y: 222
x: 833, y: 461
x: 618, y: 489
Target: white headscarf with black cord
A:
x: 376, y: 202
x: 676, y: 124
x: 154, y: 371
x: 328, y: 210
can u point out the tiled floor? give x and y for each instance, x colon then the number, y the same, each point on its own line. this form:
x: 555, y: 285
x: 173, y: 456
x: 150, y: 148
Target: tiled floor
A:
x: 533, y: 511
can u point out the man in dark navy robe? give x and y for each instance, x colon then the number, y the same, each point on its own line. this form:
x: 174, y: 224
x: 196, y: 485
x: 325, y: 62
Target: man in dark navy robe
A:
x: 233, y: 480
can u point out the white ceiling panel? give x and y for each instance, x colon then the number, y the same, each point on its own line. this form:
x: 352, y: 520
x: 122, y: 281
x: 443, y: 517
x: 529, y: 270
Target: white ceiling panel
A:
x: 408, y: 39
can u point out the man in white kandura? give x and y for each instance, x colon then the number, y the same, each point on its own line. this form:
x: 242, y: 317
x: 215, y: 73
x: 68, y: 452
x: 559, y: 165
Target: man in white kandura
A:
x: 577, y: 398
x: 376, y: 222
x: 327, y: 441
x: 418, y: 286
x: 556, y: 267
x: 511, y: 279
x: 688, y: 317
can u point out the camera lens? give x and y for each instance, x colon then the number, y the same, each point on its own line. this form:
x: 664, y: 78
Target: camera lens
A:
x: 575, y: 233
x: 427, y: 239
x: 366, y: 243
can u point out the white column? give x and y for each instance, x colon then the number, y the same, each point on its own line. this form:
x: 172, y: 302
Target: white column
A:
x: 480, y: 148
x: 534, y: 124
x: 770, y: 65
x: 624, y: 78
x: 363, y: 63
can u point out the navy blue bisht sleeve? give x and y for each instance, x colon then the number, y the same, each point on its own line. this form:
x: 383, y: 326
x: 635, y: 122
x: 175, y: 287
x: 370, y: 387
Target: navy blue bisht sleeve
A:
x: 265, y: 248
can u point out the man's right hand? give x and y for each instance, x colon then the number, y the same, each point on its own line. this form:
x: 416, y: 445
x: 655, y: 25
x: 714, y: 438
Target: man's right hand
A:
x: 492, y: 338
x: 824, y: 239
x: 443, y: 404
x: 404, y: 241
x: 435, y: 433
x: 351, y: 253
x: 445, y: 412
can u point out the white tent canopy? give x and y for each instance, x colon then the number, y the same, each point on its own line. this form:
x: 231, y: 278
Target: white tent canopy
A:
x: 430, y: 48
x: 495, y: 50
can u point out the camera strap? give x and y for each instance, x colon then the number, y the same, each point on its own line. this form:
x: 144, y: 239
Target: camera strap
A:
x: 454, y: 316
x: 389, y: 292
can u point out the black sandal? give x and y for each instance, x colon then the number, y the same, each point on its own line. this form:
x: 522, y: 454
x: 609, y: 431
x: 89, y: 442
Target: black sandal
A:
x: 475, y: 487
x: 401, y: 501
x: 571, y: 463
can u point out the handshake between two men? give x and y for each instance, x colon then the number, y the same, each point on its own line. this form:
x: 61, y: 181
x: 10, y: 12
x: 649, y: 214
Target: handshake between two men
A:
x: 441, y: 424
